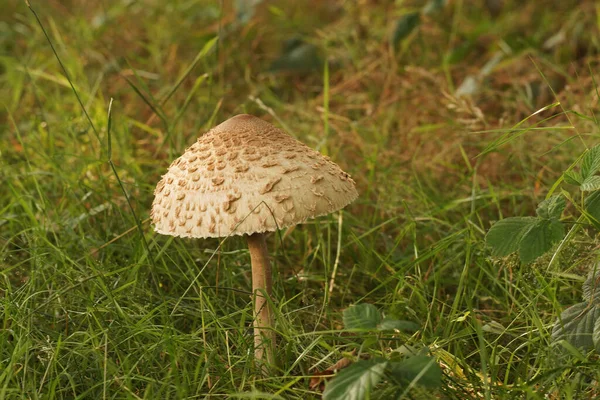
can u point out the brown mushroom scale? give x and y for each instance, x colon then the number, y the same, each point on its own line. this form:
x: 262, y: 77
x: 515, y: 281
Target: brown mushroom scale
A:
x: 246, y: 177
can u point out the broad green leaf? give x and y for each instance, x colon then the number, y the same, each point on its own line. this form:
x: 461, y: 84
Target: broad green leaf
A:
x: 576, y: 325
x: 421, y: 369
x: 590, y: 184
x: 591, y: 286
x: 539, y: 239
x: 505, y: 235
x: 552, y: 207
x: 573, y: 178
x: 356, y: 381
x: 592, y: 205
x: 391, y: 324
x: 591, y: 162
x: 362, y: 316
x: 405, y: 25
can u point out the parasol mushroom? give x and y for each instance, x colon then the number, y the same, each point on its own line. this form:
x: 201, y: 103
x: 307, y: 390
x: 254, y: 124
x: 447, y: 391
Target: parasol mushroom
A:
x: 246, y: 177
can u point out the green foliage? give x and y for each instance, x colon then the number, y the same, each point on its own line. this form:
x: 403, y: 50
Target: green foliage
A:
x: 580, y: 323
x: 540, y: 238
x: 586, y: 178
x: 421, y: 369
x: 389, y: 324
x: 573, y: 178
x: 529, y: 236
x: 298, y: 56
x: 366, y: 317
x: 591, y: 286
x: 551, y: 208
x: 405, y: 25
x: 590, y: 184
x: 592, y: 207
x: 362, y: 317
x: 590, y: 163
x: 505, y: 235
x: 533, y: 236
x: 358, y: 380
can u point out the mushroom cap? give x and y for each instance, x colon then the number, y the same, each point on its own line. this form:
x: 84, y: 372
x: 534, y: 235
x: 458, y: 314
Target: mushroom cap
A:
x: 245, y: 176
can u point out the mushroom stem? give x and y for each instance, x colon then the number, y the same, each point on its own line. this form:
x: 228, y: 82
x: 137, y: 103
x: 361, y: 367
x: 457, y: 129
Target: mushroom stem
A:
x: 262, y: 282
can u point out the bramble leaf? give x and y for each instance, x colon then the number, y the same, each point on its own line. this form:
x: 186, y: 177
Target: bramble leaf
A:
x: 552, y: 207
x: 580, y: 324
x: 539, y: 239
x: 391, y: 324
x: 356, y: 381
x: 505, y: 235
x: 573, y: 178
x: 591, y: 162
x: 591, y: 286
x: 592, y: 206
x: 577, y: 325
x: 586, y: 179
x: 421, y: 369
x: 362, y: 317
x: 590, y: 184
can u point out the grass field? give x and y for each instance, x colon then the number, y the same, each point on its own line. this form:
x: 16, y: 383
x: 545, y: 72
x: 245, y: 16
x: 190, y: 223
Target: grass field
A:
x: 449, y: 122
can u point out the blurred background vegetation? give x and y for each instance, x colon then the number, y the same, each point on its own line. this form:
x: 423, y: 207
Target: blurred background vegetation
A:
x: 448, y: 114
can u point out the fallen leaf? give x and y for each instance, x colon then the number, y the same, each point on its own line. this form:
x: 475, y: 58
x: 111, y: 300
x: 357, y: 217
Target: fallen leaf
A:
x: 317, y: 380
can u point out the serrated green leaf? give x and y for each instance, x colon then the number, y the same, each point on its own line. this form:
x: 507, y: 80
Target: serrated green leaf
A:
x: 362, y: 317
x: 539, y: 239
x: 590, y: 184
x: 505, y: 235
x: 421, y: 369
x: 591, y: 286
x: 592, y: 206
x: 405, y: 25
x: 391, y: 324
x: 573, y: 178
x: 591, y: 162
x: 552, y: 207
x: 577, y: 324
x: 356, y: 381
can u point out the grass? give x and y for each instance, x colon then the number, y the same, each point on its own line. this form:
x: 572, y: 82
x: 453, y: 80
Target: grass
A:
x: 95, y: 305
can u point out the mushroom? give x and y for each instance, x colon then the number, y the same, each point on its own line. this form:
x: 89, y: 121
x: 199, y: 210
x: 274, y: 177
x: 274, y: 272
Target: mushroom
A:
x: 246, y: 177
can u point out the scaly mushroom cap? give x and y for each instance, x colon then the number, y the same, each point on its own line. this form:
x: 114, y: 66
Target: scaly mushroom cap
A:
x: 245, y: 176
